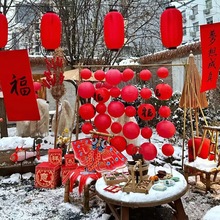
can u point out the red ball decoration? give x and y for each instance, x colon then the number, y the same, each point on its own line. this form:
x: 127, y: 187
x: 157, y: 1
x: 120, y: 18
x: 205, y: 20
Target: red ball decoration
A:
x: 131, y: 130
x: 116, y: 127
x: 107, y: 85
x: 127, y: 74
x: 167, y: 150
x: 146, y: 132
x: 87, y: 127
x: 113, y: 77
x: 98, y: 85
x: 4, y: 30
x: 101, y: 95
x: 86, y: 90
x: 163, y: 91
x: 145, y: 75
x: 102, y: 121
x: 115, y: 92
x: 145, y: 93
x: 171, y: 27
x: 87, y: 111
x: 99, y: 75
x: 164, y: 111
x: 129, y: 93
x: 131, y: 149
x: 165, y: 129
x: 146, y: 112
x: 119, y: 142
x: 116, y: 109
x: 50, y: 31
x: 37, y: 86
x: 85, y: 73
x: 162, y: 72
x: 114, y: 30
x: 148, y: 150
x: 101, y: 108
x: 130, y: 111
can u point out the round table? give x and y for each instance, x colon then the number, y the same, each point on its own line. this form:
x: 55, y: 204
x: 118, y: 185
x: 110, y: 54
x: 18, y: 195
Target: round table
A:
x: 172, y: 196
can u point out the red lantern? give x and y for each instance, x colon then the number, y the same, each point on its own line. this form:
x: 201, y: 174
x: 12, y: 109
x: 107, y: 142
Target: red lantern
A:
x: 50, y: 31
x: 98, y: 85
x: 102, y: 121
x: 163, y: 91
x: 114, y: 30
x: 4, y: 30
x: 37, y: 86
x: 164, y: 111
x: 101, y: 95
x: 115, y: 92
x: 107, y: 85
x: 146, y: 112
x: 171, y: 27
x: 130, y: 111
x: 99, y: 75
x: 131, y: 149
x: 145, y: 75
x: 119, y: 143
x: 148, y: 150
x: 129, y: 93
x: 87, y: 127
x: 167, y: 150
x: 131, y: 130
x: 116, y: 127
x: 145, y: 93
x: 165, y: 129
x: 146, y: 132
x: 113, y: 77
x: 85, y: 73
x: 86, y: 90
x: 116, y: 109
x: 101, y: 108
x: 162, y: 72
x: 127, y: 74
x: 87, y: 111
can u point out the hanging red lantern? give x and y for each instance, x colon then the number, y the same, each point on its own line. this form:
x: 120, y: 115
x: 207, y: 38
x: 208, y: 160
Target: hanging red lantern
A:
x: 114, y: 30
x: 116, y: 127
x: 146, y: 132
x: 99, y: 75
x: 4, y: 30
x: 85, y: 73
x: 113, y: 77
x: 148, y: 150
x: 116, y: 109
x: 86, y: 90
x: 101, y: 95
x: 102, y: 121
x: 164, y: 111
x: 127, y: 74
x: 130, y: 111
x: 115, y: 92
x: 163, y: 91
x: 131, y: 149
x: 37, y: 86
x: 165, y: 129
x: 129, y: 93
x: 171, y: 27
x: 167, y: 150
x: 50, y: 31
x: 87, y: 127
x: 87, y: 111
x: 131, y: 130
x: 119, y: 142
x: 162, y: 72
x: 145, y: 93
x: 146, y: 112
x: 101, y: 108
x: 145, y: 75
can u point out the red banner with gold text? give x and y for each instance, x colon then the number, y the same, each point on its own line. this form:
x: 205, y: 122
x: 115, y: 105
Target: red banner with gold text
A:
x: 210, y: 44
x: 17, y: 86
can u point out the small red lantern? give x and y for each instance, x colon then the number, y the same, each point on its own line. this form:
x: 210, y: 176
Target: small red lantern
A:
x: 146, y: 132
x: 146, y: 112
x: 162, y: 72
x: 86, y: 90
x: 116, y: 127
x: 163, y: 91
x: 119, y: 142
x: 148, y: 150
x: 37, y: 86
x: 102, y: 121
x: 131, y: 130
x: 99, y: 75
x: 164, y: 111
x: 87, y: 127
x: 167, y: 150
x: 115, y: 92
x: 50, y: 31
x: 114, y: 30
x: 129, y: 93
x: 116, y: 109
x: 130, y: 111
x: 131, y: 149
x: 4, y: 30
x: 145, y: 93
x: 165, y: 129
x: 171, y: 27
x: 87, y: 111
x: 101, y: 108
x: 85, y: 73
x: 101, y: 95
x: 145, y: 75
x: 127, y: 74
x: 113, y: 76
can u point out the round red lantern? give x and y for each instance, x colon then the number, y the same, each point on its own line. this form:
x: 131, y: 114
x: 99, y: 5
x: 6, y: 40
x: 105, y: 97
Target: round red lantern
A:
x: 148, y: 150
x: 146, y: 132
x: 116, y: 109
x: 4, y: 30
x: 164, y: 111
x: 167, y: 150
x: 131, y: 149
x: 98, y: 85
x: 87, y: 111
x: 50, y: 31
x: 101, y: 108
x: 145, y: 93
x: 146, y: 112
x: 145, y: 75
x: 127, y: 74
x: 107, y: 85
x: 130, y: 111
x: 162, y: 72
x: 102, y: 121
x: 165, y: 129
x: 101, y: 95
x: 131, y: 130
x: 115, y: 92
x: 171, y: 27
x: 163, y: 91
x: 87, y: 127
x: 37, y: 86
x: 129, y: 93
x: 113, y: 77
x: 116, y: 127
x: 99, y: 75
x: 85, y: 73
x: 114, y: 30
x: 119, y: 142
x: 86, y: 90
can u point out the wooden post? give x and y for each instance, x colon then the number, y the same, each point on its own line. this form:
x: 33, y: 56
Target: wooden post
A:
x: 3, y: 125
x: 66, y: 192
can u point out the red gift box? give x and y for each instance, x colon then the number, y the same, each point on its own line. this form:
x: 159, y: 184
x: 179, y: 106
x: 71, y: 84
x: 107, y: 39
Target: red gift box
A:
x: 47, y: 175
x: 55, y: 156
x: 69, y: 159
x: 66, y: 171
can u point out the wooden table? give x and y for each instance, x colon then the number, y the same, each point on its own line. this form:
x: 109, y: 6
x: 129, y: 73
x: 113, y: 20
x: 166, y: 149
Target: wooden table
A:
x: 172, y: 196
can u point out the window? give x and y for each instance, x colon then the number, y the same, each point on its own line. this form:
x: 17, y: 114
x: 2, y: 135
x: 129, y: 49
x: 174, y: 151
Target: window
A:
x: 196, y: 26
x: 209, y: 20
x: 208, y: 4
x: 195, y: 9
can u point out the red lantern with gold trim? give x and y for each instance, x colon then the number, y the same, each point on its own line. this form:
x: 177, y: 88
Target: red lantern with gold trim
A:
x: 114, y: 30
x: 50, y: 31
x: 171, y: 27
x: 4, y: 30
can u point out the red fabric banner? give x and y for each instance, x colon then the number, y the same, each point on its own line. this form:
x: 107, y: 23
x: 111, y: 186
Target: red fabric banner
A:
x: 17, y: 86
x: 210, y: 43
